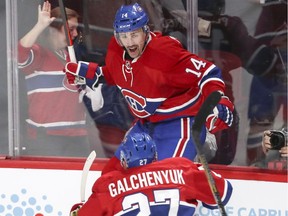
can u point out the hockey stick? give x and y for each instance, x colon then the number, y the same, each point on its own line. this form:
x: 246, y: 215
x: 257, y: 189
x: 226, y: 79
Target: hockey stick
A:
x: 71, y: 50
x: 69, y: 41
x: 199, y: 121
x: 85, y: 171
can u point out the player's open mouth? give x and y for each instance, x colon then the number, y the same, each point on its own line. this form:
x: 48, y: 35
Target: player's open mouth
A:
x: 132, y: 49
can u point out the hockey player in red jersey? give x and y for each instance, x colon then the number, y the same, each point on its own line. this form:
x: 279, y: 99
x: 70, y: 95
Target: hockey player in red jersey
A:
x: 144, y: 187
x: 162, y: 82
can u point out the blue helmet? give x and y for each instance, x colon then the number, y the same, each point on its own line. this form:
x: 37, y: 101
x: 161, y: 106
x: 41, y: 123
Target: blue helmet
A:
x: 137, y: 149
x: 129, y: 18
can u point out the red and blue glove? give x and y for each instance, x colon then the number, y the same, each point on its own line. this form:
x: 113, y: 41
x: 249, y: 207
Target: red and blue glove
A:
x: 222, y: 116
x: 83, y: 73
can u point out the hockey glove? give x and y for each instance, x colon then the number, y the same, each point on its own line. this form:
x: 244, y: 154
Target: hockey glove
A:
x: 83, y: 73
x: 222, y: 116
x: 75, y: 208
x: 95, y: 97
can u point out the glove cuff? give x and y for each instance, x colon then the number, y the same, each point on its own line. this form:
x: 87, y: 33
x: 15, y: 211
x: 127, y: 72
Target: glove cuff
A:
x: 87, y: 69
x: 226, y: 102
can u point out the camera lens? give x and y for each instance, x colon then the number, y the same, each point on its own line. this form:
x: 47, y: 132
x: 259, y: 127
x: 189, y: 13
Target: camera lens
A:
x: 277, y: 141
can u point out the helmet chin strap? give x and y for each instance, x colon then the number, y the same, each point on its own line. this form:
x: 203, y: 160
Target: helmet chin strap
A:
x: 146, y: 40
x: 146, y: 30
x: 124, y: 163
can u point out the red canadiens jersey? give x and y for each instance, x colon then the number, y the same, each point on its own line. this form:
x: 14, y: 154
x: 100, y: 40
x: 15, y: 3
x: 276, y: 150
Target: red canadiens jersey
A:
x: 51, y: 106
x: 165, y: 82
x: 168, y: 187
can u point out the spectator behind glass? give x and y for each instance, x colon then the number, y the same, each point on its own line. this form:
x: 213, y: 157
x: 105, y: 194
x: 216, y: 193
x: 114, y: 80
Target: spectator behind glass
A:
x: 175, y: 178
x: 230, y: 46
x: 169, y: 17
x: 268, y: 92
x: 163, y: 84
x: 276, y: 156
x: 56, y: 124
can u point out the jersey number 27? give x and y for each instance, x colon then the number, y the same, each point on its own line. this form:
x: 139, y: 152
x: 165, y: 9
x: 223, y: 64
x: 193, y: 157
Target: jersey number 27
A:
x: 169, y: 196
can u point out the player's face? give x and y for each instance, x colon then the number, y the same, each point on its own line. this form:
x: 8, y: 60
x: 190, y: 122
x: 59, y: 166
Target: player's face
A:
x: 133, y: 42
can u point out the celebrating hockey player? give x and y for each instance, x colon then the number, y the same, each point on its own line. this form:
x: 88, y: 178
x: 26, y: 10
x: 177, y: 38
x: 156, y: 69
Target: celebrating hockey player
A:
x: 162, y: 82
x: 172, y: 186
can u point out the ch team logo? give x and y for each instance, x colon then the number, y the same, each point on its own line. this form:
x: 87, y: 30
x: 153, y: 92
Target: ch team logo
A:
x: 136, y: 102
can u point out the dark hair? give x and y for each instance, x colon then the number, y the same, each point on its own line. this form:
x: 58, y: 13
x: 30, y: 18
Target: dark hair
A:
x: 58, y: 22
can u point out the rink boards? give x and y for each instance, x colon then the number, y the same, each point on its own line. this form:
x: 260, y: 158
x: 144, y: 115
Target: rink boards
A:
x: 51, y: 186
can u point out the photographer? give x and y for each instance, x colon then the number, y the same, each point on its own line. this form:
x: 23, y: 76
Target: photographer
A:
x: 275, y: 147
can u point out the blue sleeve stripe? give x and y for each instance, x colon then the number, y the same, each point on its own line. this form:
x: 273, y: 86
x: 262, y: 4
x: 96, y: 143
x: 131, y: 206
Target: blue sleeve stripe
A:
x: 226, y: 196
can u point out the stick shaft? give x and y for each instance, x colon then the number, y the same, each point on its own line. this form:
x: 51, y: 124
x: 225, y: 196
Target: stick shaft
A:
x: 199, y: 121
x: 71, y: 50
